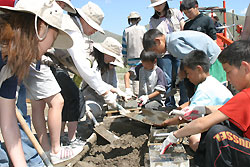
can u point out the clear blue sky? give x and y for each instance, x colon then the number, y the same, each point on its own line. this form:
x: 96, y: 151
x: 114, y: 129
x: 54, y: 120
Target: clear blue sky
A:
x: 116, y: 11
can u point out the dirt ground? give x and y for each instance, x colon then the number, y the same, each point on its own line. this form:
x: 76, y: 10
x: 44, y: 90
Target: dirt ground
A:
x: 130, y: 150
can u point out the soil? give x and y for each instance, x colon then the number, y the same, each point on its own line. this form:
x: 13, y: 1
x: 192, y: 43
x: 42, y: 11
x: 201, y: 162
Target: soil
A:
x: 130, y: 150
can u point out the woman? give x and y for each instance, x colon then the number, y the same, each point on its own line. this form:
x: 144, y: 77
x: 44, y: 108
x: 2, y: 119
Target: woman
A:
x: 22, y: 42
x: 167, y: 20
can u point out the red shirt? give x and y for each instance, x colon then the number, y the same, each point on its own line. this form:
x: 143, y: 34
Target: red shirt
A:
x: 7, y: 3
x: 238, y: 111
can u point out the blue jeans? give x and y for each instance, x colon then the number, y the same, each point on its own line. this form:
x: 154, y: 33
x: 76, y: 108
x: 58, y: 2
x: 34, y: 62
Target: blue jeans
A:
x: 169, y: 66
x: 31, y: 155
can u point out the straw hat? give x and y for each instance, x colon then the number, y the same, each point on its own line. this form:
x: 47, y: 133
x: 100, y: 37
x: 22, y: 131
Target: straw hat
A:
x: 93, y: 15
x: 50, y: 12
x: 134, y: 15
x: 156, y: 3
x: 111, y: 47
x: 69, y: 7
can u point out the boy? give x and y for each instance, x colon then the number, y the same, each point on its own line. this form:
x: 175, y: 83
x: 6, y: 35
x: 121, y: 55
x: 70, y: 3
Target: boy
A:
x: 223, y: 145
x: 209, y: 91
x: 152, y: 81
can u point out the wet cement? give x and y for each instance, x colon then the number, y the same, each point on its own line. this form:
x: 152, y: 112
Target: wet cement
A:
x: 130, y: 150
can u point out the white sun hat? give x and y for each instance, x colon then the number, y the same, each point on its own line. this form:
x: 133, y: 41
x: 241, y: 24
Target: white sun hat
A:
x: 93, y: 15
x: 134, y: 15
x: 50, y: 12
x: 156, y: 3
x: 111, y: 47
x: 69, y: 6
x: 118, y: 62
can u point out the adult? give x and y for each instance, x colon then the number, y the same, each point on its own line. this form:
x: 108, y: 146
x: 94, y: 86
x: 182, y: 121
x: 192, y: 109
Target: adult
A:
x: 167, y: 20
x: 132, y: 46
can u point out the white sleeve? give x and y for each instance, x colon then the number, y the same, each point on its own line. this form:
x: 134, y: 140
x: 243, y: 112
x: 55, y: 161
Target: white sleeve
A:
x: 79, y: 55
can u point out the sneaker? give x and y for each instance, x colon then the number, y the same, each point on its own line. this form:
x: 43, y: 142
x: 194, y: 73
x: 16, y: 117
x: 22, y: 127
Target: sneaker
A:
x: 76, y: 143
x: 66, y: 153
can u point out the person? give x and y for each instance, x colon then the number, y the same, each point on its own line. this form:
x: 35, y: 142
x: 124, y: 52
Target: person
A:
x: 18, y: 29
x: 132, y: 46
x: 197, y: 21
x: 168, y: 20
x: 179, y: 44
x: 246, y: 30
x: 217, y: 24
x: 152, y: 81
x: 209, y: 90
x: 102, y: 59
x: 224, y: 144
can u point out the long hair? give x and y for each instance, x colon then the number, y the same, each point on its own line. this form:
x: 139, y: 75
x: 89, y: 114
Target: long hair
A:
x: 167, y: 12
x: 99, y: 56
x: 18, y: 41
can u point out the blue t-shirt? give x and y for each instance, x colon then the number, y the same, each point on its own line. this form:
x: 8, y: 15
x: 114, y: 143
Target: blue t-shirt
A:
x: 9, y: 86
x: 210, y: 92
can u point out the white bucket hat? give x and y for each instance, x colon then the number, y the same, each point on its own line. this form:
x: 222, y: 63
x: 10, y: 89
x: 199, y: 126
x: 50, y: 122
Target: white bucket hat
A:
x: 134, y: 15
x: 93, y: 15
x: 69, y: 7
x: 118, y: 62
x: 111, y: 47
x: 156, y: 3
x: 50, y: 12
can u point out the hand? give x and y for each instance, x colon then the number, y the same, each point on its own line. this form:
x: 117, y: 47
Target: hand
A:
x: 110, y: 99
x: 170, y: 140
x: 122, y: 94
x: 143, y: 100
x: 163, y: 124
x: 191, y: 113
x: 129, y: 93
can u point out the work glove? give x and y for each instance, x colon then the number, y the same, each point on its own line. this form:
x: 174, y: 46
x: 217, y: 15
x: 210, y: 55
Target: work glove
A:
x: 129, y: 93
x: 170, y: 140
x: 143, y: 100
x: 122, y: 94
x: 110, y: 99
x: 190, y: 113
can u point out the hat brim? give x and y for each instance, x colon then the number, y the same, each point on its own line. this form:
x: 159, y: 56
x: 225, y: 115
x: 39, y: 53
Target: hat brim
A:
x: 157, y: 3
x: 90, y: 21
x: 99, y: 47
x: 69, y: 6
x: 63, y: 40
x: 118, y: 62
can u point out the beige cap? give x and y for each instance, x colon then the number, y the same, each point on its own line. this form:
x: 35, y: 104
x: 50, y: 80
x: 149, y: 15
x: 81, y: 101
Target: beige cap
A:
x: 111, y: 47
x: 51, y: 13
x: 93, y: 15
x: 134, y: 15
x: 156, y: 3
x: 69, y: 7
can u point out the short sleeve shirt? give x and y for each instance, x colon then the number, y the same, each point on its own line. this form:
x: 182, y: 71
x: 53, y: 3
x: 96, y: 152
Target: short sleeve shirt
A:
x: 238, y: 111
x: 9, y: 86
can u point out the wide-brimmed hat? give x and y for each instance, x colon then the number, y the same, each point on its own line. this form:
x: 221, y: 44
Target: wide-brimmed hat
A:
x: 111, y: 47
x: 118, y: 62
x: 133, y: 15
x: 50, y: 12
x: 93, y: 15
x: 69, y: 7
x: 156, y: 3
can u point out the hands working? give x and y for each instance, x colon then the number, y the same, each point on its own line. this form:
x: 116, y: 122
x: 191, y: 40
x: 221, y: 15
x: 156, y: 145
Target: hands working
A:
x: 110, y: 99
x: 122, y: 94
x: 143, y: 100
x: 129, y: 93
x: 170, y: 140
x: 190, y: 113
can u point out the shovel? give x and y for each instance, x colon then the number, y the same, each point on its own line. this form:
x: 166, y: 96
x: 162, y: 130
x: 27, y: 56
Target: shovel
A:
x: 101, y: 130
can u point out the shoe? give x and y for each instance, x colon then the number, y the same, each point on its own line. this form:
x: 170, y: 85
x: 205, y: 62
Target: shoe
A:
x: 76, y: 143
x: 66, y: 153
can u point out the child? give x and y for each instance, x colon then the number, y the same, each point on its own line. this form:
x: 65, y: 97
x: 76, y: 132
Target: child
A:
x: 209, y: 91
x: 224, y: 145
x: 24, y: 41
x: 152, y: 81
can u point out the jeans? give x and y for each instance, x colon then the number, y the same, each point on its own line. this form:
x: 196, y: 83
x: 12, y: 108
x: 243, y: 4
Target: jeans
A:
x: 169, y: 66
x: 30, y: 153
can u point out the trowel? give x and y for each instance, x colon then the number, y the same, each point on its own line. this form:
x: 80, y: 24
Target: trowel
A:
x: 101, y: 130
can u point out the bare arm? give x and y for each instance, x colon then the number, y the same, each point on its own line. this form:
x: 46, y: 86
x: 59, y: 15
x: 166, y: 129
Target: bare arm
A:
x: 182, y: 23
x: 201, y: 124
x: 126, y: 79
x: 154, y: 94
